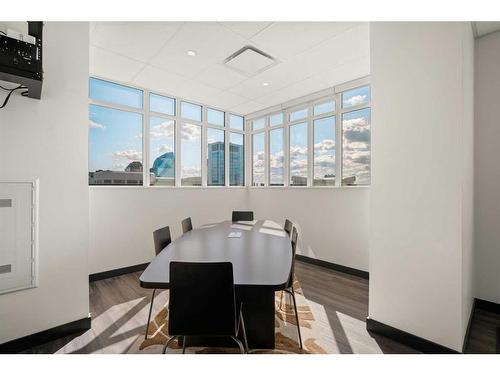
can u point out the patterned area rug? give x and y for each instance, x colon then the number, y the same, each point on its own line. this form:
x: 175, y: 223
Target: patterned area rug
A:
x: 313, y: 320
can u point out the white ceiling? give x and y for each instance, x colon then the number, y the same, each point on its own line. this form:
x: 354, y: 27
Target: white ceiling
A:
x: 311, y: 56
x: 483, y: 28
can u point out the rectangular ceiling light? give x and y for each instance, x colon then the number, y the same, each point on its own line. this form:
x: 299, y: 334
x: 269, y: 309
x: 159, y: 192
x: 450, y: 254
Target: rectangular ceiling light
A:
x: 249, y: 61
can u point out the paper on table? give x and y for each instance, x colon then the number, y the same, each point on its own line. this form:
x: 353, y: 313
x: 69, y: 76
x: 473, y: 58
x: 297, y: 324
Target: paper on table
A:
x: 253, y: 222
x: 242, y: 227
x: 234, y: 235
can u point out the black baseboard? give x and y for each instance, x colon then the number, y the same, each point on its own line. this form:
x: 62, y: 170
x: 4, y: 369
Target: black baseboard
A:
x: 26, y: 342
x: 117, y: 272
x: 333, y: 266
x: 488, y: 306
x: 418, y: 343
x: 498, y: 340
x: 467, y: 333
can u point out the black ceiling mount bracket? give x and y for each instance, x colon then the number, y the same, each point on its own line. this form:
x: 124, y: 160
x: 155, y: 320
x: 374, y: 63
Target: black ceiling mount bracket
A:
x: 21, y: 62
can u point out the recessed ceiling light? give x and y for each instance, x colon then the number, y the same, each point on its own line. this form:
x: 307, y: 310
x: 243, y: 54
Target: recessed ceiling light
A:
x: 191, y: 53
x: 265, y: 84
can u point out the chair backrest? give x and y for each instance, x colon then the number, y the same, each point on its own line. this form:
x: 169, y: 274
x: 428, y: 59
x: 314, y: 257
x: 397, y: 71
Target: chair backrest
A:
x: 294, y: 239
x: 288, y: 226
x: 161, y: 238
x: 186, y: 225
x: 242, y: 216
x: 201, y: 299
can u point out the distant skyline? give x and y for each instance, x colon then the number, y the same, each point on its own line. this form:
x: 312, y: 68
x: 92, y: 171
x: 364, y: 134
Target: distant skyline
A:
x: 115, y: 138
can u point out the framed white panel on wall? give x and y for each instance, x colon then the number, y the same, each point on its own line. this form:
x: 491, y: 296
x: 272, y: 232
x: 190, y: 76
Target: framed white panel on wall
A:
x: 18, y: 235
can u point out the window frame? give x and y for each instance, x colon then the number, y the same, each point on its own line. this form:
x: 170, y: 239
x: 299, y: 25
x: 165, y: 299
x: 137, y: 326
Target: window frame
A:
x: 178, y: 121
x: 309, y: 101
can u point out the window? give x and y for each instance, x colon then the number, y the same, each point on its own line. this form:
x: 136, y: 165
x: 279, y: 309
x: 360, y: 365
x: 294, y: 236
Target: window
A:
x: 298, y: 154
x: 215, y: 157
x: 356, y: 150
x: 276, y: 157
x: 236, y: 159
x: 161, y: 104
x: 191, y: 111
x: 109, y: 92
x: 258, y: 124
x: 115, y: 146
x: 324, y: 142
x: 174, y: 139
x: 299, y: 115
x: 236, y: 122
x: 325, y: 107
x: 162, y: 151
x: 324, y: 151
x: 258, y: 163
x: 276, y: 119
x: 190, y: 155
x: 356, y: 97
x: 215, y: 117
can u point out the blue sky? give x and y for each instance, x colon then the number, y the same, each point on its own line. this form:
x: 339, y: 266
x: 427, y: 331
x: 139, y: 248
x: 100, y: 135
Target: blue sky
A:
x: 114, y: 138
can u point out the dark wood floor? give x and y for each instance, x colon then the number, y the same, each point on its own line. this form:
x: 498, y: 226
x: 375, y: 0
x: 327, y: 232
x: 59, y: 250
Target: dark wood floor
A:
x: 119, y: 308
x: 483, y: 332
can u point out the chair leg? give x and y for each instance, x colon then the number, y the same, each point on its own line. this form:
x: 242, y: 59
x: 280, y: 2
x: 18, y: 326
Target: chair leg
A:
x: 281, y: 299
x: 242, y: 350
x: 168, y: 342
x: 244, y: 331
x: 296, y: 316
x: 183, y: 344
x: 149, y: 316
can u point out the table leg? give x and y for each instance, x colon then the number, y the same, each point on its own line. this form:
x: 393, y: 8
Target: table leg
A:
x: 259, y: 315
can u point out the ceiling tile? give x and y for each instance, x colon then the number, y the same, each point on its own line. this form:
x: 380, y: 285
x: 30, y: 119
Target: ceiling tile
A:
x: 220, y: 76
x: 196, y: 91
x: 226, y: 100
x: 246, y: 29
x: 247, y: 107
x: 110, y: 65
x: 335, y: 51
x: 484, y: 28
x: 312, y: 56
x: 354, y: 69
x: 137, y: 40
x: 283, y: 40
x: 159, y: 80
x: 211, y: 41
x: 293, y: 91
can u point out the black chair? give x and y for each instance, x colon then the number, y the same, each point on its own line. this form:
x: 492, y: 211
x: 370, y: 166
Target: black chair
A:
x: 289, y: 286
x: 202, y: 303
x: 242, y: 216
x: 161, y: 239
x: 186, y: 225
x: 288, y: 226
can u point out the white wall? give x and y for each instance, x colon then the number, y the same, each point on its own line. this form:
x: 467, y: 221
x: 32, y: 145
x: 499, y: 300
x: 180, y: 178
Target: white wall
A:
x: 47, y: 139
x: 487, y: 171
x: 122, y: 219
x: 334, y: 223
x: 420, y: 237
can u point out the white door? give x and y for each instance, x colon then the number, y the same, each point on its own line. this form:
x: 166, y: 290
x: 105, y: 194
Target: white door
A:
x: 17, y: 235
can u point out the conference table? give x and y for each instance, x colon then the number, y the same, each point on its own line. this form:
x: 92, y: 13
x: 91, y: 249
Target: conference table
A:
x: 261, y: 258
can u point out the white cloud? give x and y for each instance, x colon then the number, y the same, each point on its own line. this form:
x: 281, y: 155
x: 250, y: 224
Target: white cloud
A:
x: 164, y: 148
x: 96, y: 125
x: 356, y: 100
x: 165, y: 129
x: 191, y: 133
x: 132, y: 155
x: 325, y: 145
